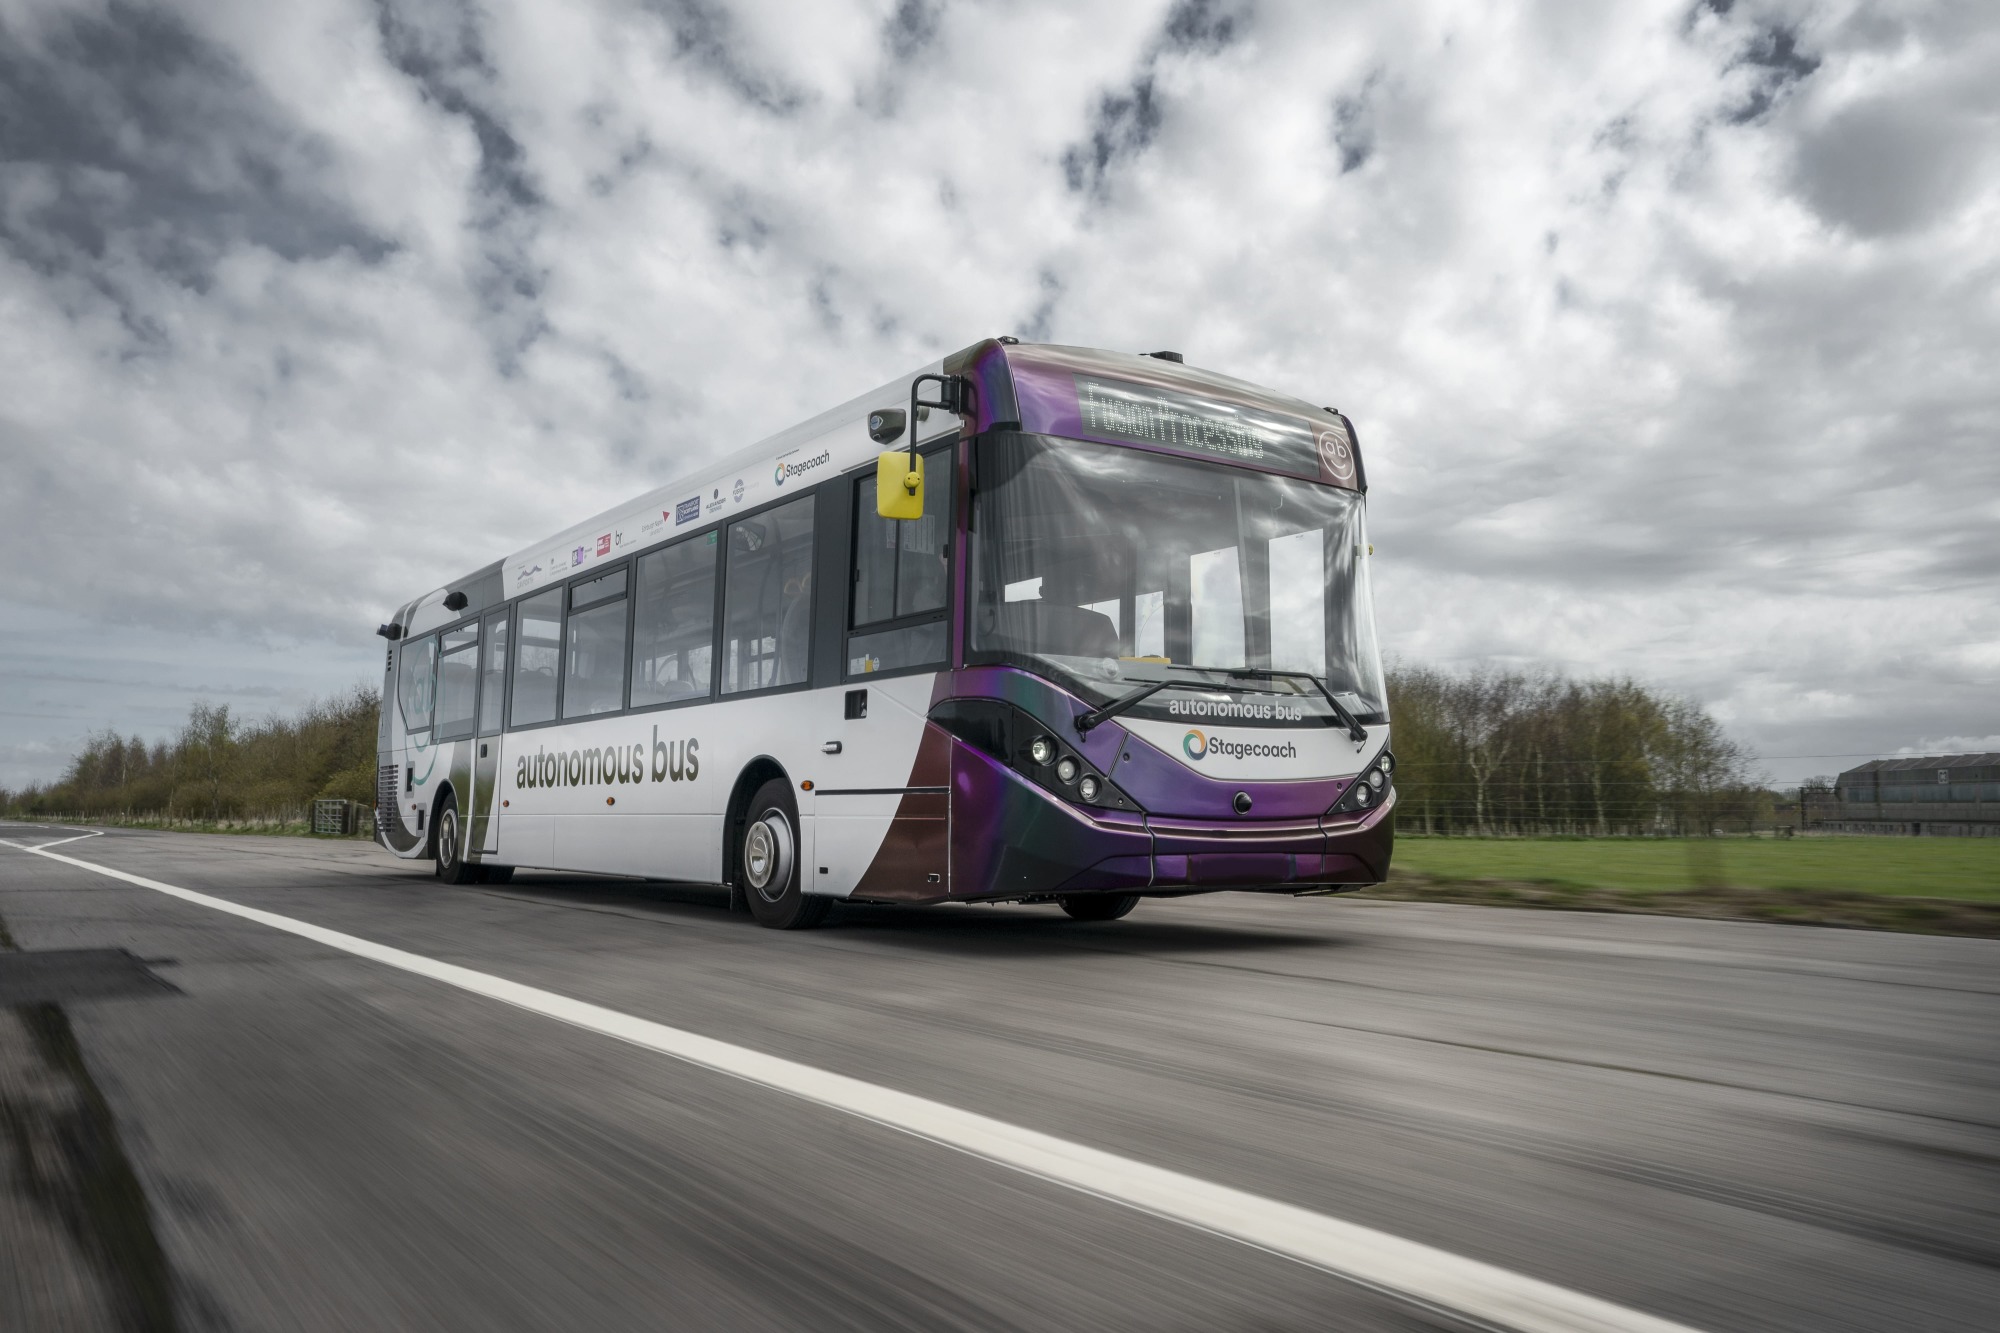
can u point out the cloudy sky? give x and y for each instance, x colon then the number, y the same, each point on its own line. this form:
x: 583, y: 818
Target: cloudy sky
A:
x: 1670, y: 329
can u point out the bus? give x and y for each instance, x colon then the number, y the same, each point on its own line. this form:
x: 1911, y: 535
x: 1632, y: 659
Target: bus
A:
x: 1035, y: 623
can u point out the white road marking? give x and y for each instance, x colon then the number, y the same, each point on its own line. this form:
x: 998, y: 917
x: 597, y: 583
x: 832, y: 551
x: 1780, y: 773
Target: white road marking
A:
x: 88, y: 833
x: 1374, y: 1259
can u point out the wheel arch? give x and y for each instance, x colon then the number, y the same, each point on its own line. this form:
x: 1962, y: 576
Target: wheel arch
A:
x: 754, y: 774
x: 445, y: 791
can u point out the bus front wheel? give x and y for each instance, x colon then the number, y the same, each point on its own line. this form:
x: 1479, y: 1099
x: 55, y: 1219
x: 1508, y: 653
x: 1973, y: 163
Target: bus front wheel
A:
x: 1098, y: 906
x: 767, y: 863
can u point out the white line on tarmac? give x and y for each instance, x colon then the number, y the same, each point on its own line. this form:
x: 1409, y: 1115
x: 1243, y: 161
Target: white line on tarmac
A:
x: 1374, y: 1259
x: 93, y: 833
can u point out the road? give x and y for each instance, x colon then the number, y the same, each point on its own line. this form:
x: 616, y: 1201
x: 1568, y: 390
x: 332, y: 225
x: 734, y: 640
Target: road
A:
x: 1726, y: 1125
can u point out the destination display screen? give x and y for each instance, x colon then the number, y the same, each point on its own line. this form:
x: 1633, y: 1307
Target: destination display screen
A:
x: 1191, y: 423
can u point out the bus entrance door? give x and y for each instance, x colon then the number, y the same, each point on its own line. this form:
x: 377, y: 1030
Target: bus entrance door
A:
x: 882, y: 825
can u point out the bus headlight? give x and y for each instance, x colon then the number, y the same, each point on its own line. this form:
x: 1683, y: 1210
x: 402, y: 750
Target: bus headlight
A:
x: 1387, y: 763
x: 1376, y: 778
x: 1025, y: 745
x: 1361, y: 797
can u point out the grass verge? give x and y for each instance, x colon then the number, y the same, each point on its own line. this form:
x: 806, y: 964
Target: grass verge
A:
x: 1941, y: 886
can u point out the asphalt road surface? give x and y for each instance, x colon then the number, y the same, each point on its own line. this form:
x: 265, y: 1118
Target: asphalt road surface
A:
x: 1725, y: 1125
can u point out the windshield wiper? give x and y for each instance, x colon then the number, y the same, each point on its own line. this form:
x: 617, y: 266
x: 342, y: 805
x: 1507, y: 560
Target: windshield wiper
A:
x: 1355, y: 731
x: 1105, y: 712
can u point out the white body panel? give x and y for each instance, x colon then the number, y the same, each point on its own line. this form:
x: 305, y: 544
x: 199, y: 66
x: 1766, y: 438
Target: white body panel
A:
x: 646, y: 793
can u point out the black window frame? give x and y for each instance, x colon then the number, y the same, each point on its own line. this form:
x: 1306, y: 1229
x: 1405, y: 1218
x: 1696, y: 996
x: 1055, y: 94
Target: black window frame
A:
x: 720, y: 533
x: 570, y: 587
x: 835, y: 489
x: 814, y: 496
x: 503, y: 616
x: 514, y: 639
x: 858, y: 485
x: 402, y: 711
x: 470, y: 727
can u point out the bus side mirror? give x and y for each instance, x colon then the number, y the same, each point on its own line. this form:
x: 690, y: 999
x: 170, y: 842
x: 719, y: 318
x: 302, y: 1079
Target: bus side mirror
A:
x: 899, y: 484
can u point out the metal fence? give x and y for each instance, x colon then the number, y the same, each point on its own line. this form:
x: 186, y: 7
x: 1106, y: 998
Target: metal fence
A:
x: 341, y: 819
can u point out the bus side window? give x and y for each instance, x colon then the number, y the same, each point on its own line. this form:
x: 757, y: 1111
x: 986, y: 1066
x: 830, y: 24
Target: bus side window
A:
x: 493, y: 676
x: 537, y: 657
x: 458, y: 681
x: 673, y: 625
x: 416, y: 683
x: 767, y: 599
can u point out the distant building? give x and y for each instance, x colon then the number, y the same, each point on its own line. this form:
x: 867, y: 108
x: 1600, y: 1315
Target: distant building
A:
x: 1947, y: 795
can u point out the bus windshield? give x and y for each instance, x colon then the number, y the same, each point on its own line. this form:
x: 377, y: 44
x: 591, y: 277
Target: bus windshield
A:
x: 1114, y: 568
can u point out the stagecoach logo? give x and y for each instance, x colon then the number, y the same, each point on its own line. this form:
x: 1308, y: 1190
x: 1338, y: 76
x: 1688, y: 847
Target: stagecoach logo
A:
x: 786, y: 471
x: 668, y: 761
x: 1200, y: 745
x: 687, y: 511
x: 1336, y: 452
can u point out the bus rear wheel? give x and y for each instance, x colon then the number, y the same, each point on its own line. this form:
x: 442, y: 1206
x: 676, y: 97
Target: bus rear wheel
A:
x: 1098, y: 906
x: 451, y: 864
x: 767, y: 863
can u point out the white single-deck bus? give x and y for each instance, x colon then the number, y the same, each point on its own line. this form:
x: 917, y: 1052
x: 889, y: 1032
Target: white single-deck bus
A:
x: 1035, y: 623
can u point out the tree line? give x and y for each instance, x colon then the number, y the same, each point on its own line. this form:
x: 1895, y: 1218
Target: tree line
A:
x: 218, y: 769
x: 1484, y: 751
x: 1491, y: 751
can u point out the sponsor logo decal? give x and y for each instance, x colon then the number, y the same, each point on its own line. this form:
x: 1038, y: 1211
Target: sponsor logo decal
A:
x: 1198, y: 745
x: 736, y: 491
x: 715, y: 500
x: 604, y: 544
x: 786, y: 471
x: 1336, y: 452
x: 596, y: 766
x: 687, y: 511
x: 526, y: 572
x: 577, y: 556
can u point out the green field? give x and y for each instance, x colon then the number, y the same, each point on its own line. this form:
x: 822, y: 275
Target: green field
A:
x: 1966, y: 869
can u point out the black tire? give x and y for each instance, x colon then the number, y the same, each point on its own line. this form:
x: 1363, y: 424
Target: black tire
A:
x: 766, y: 861
x: 448, y: 842
x: 495, y: 874
x: 1098, y: 906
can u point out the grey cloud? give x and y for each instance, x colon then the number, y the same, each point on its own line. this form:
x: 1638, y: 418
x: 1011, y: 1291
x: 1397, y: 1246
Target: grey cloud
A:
x: 912, y: 29
x: 437, y: 45
x: 127, y: 134
x: 702, y: 34
x: 1124, y: 123
x: 1773, y: 53
x: 1354, y: 125
x: 1891, y: 164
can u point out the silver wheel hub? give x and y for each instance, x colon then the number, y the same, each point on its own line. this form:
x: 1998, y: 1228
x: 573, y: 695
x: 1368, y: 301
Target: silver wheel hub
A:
x: 767, y: 856
x: 448, y: 838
